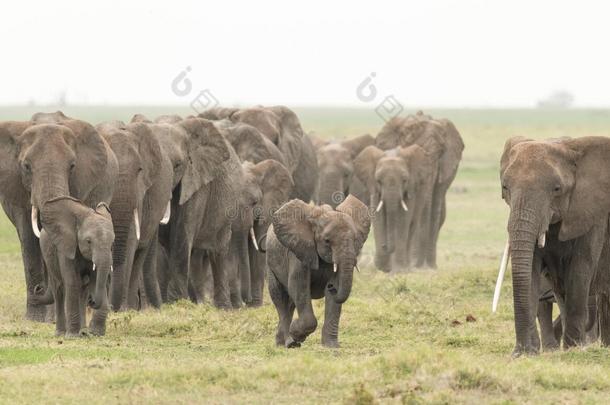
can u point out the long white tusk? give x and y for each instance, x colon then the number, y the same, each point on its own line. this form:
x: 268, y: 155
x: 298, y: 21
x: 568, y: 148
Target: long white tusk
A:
x: 35, y: 227
x: 168, y: 213
x: 136, y: 219
x: 356, y: 266
x: 111, y: 268
x: 542, y: 240
x: 334, y: 267
x: 379, y: 206
x: 93, y: 266
x: 404, y: 205
x: 253, y: 236
x: 503, y: 265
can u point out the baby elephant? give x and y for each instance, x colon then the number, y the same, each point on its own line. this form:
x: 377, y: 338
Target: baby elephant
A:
x: 311, y: 253
x: 76, y: 244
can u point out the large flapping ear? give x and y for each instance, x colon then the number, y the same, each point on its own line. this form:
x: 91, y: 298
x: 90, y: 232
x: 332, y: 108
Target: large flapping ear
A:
x: 207, y: 151
x: 150, y: 151
x: 293, y: 228
x: 360, y: 215
x: 10, y: 173
x: 418, y: 162
x: 291, y: 134
x: 508, y: 145
x: 357, y: 144
x: 248, y: 142
x: 59, y: 219
x: 452, y: 151
x: 104, y: 210
x: 276, y: 184
x: 91, y: 158
x: 365, y: 165
x: 590, y: 197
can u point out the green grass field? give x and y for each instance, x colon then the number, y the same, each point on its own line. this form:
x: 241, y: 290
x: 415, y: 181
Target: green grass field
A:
x: 400, y: 341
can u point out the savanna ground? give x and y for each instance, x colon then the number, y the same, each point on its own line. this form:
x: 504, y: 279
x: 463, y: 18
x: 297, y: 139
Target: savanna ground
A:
x: 404, y: 338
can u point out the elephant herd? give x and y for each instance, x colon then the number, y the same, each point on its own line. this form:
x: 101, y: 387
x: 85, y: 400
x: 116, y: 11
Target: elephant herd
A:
x: 131, y: 215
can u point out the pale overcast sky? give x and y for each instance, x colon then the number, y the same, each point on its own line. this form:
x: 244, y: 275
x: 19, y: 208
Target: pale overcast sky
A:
x: 425, y: 53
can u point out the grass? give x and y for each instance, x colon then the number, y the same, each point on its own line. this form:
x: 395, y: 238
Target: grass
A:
x: 404, y: 338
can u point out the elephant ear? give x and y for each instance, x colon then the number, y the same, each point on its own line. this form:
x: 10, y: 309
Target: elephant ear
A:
x: 590, y: 197
x: 508, y: 145
x: 418, y: 162
x: 276, y: 184
x: 207, y: 150
x: 291, y: 135
x: 452, y: 151
x: 104, y: 210
x: 59, y: 219
x: 91, y: 158
x: 293, y: 228
x: 11, y: 187
x: 360, y: 215
x: 248, y: 142
x: 150, y: 151
x: 365, y: 165
x: 357, y: 144
x: 390, y: 135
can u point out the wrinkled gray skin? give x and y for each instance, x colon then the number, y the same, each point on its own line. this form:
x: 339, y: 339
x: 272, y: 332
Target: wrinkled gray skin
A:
x: 561, y: 189
x: 144, y: 189
x: 74, y: 238
x: 302, y: 245
x: 443, y: 144
x: 336, y: 170
x: 48, y: 157
x: 395, y: 179
x: 203, y: 187
x: 283, y: 128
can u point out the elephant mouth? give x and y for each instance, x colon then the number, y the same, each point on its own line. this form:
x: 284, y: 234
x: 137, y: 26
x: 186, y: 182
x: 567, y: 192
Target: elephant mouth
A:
x: 332, y: 289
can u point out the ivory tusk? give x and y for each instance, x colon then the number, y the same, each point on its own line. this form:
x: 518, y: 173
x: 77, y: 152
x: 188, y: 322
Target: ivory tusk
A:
x: 35, y: 227
x: 168, y: 213
x: 542, y: 240
x: 379, y: 206
x: 111, y: 268
x: 334, y: 267
x: 136, y: 219
x: 503, y: 265
x: 356, y: 266
x: 404, y: 205
x: 93, y: 266
x: 253, y: 236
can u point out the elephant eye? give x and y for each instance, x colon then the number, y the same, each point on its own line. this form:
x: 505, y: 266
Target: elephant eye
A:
x: 557, y: 188
x: 72, y: 166
x: 27, y: 167
x: 140, y: 169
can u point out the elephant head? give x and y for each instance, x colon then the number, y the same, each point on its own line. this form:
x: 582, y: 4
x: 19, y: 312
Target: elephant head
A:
x: 41, y: 161
x: 335, y: 161
x: 72, y: 227
x: 562, y: 181
x: 249, y: 143
x: 394, y: 179
x: 319, y: 233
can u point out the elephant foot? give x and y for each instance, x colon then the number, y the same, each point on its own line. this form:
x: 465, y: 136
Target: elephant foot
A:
x: 60, y: 332
x: 292, y: 344
x: 550, y: 346
x: 255, y: 304
x: 302, y: 327
x: 520, y: 351
x: 36, y: 313
x: 77, y: 335
x: 332, y: 343
x: 97, y: 330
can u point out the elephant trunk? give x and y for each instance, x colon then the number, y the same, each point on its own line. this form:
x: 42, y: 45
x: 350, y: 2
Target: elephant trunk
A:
x: 345, y: 278
x: 331, y: 189
x: 49, y: 182
x: 523, y: 231
x: 103, y: 267
x: 392, y: 207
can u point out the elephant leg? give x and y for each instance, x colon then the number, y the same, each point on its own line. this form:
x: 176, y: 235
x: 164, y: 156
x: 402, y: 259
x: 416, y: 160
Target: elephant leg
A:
x: 258, y: 270
x: 60, y: 315
x: 299, y: 289
x: 332, y: 313
x: 592, y: 327
x: 149, y: 274
x: 162, y: 271
x: 603, y: 309
x: 437, y: 218
x: 545, y: 319
x: 72, y: 293
x: 181, y: 246
x: 219, y: 263
x: 97, y: 325
x: 134, y: 299
x: 82, y: 306
x: 234, y: 274
x: 196, y: 279
x: 284, y: 307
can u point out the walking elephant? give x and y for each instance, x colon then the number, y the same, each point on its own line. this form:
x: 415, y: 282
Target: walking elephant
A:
x: 282, y: 126
x: 400, y: 184
x: 311, y: 253
x: 558, y: 192
x: 140, y: 202
x: 336, y: 170
x: 443, y: 143
x: 76, y: 242
x: 48, y: 157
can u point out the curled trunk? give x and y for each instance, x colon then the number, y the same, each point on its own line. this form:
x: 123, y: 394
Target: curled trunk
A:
x: 345, y: 278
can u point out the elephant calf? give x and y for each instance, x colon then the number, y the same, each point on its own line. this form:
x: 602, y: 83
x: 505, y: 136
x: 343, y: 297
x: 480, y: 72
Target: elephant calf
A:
x: 311, y: 253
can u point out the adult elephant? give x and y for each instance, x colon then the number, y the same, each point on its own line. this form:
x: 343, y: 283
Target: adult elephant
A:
x: 48, y: 157
x: 558, y: 192
x: 336, y: 170
x: 282, y: 126
x: 400, y: 184
x: 203, y: 188
x: 443, y: 143
x: 141, y: 200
